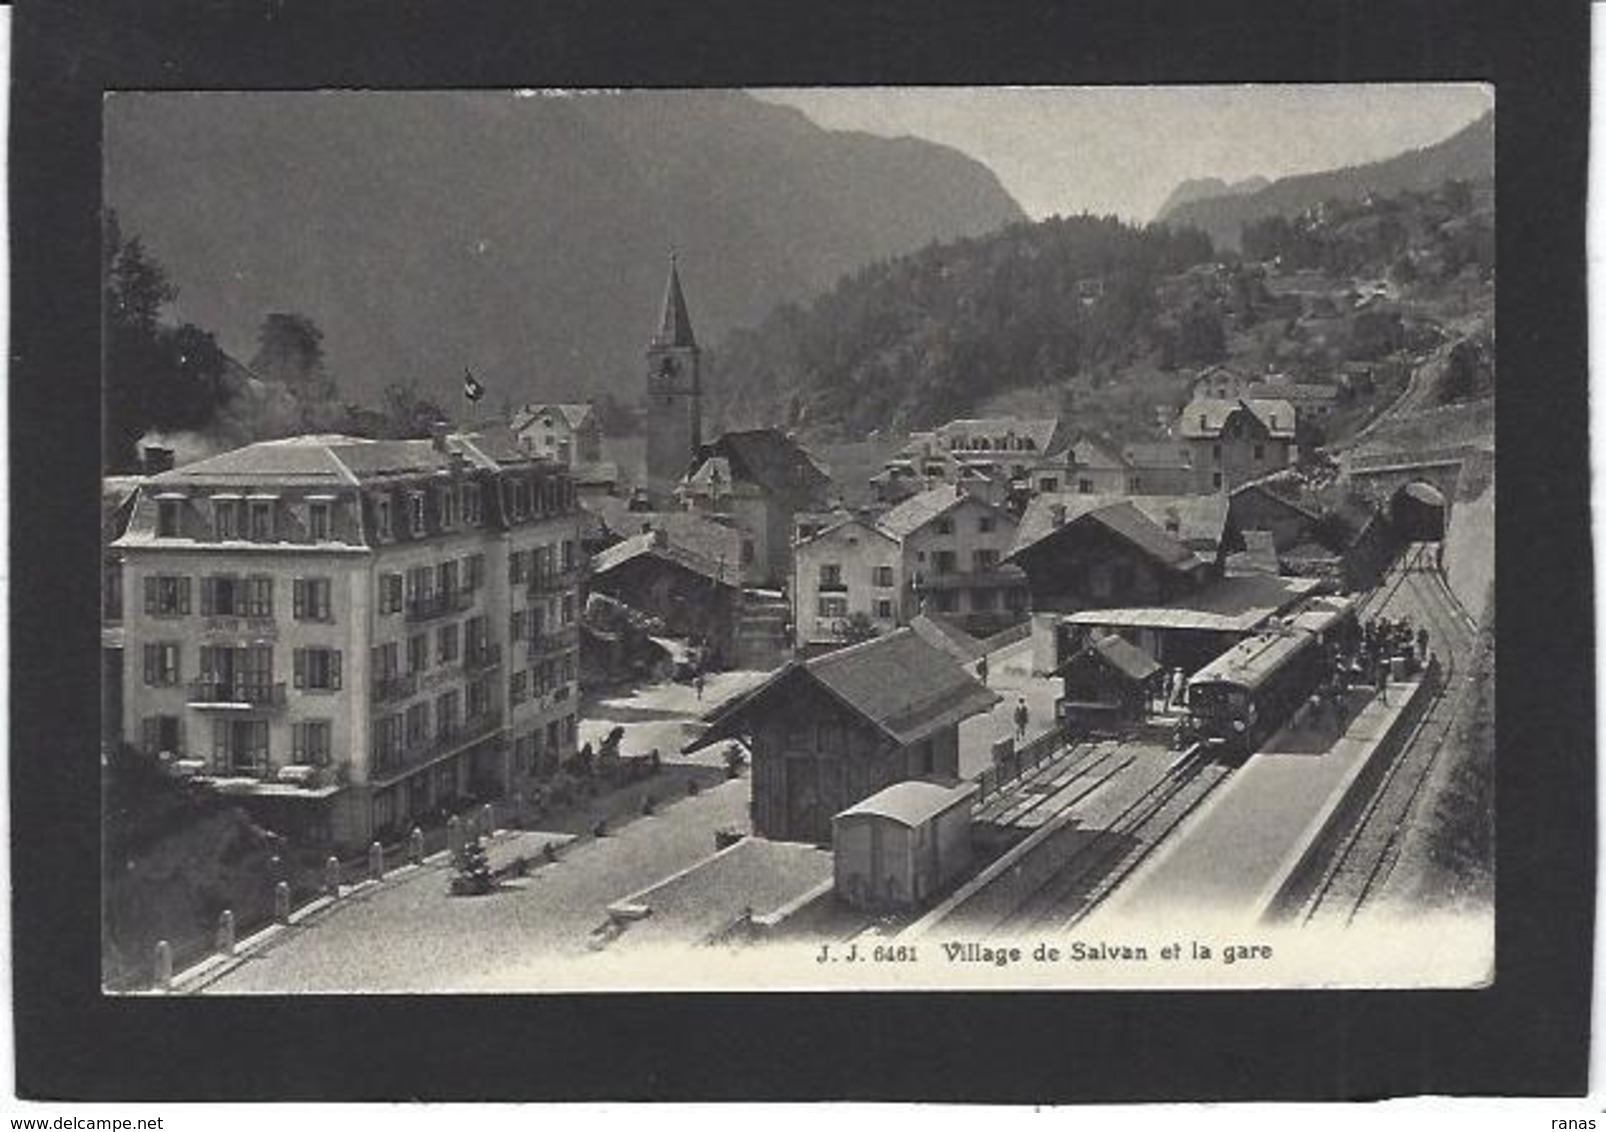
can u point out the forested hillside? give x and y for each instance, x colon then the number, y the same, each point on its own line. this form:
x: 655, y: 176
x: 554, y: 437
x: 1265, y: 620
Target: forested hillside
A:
x: 922, y: 338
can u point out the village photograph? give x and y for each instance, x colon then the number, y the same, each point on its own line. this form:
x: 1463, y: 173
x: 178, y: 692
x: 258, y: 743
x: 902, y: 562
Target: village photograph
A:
x: 828, y: 538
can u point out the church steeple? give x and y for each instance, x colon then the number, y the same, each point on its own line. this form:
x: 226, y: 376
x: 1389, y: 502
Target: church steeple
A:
x: 674, y: 396
x: 674, y: 328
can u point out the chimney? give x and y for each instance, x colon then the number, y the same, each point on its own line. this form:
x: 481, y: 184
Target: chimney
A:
x: 156, y: 459
x: 437, y: 435
x: 1058, y: 511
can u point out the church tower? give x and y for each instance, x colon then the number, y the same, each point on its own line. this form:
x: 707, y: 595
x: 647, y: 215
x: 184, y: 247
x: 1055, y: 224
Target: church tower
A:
x: 674, y: 397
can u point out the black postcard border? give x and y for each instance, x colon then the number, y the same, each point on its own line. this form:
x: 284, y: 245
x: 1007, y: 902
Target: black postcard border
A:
x: 1528, y: 1034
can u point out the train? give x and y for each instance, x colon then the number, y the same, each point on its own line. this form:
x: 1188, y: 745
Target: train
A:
x: 1242, y: 697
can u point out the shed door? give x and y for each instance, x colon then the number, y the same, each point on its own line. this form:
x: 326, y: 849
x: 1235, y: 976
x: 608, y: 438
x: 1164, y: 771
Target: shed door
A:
x: 802, y: 800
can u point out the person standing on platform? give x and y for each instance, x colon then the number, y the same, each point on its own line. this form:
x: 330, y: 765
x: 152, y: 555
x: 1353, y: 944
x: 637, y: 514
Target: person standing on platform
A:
x: 1023, y: 716
x: 981, y: 668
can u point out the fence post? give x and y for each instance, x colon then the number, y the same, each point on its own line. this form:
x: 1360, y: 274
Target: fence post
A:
x: 225, y: 933
x: 415, y: 846
x: 331, y: 877
x: 454, y: 836
x: 281, y: 902
x: 376, y: 861
x: 164, y: 964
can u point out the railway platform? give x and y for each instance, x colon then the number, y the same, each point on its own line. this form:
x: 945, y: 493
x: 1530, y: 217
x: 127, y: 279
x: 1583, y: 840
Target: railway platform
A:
x: 1238, y: 849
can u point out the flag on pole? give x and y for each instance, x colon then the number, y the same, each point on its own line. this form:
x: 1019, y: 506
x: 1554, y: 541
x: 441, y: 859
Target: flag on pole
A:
x: 472, y: 389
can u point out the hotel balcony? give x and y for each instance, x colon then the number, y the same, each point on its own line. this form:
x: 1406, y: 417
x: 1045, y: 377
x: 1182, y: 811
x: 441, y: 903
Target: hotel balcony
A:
x: 552, y: 644
x: 397, y: 686
x: 236, y: 696
x: 259, y: 779
x: 557, y: 582
x: 440, y: 604
x: 443, y: 744
x: 482, y: 658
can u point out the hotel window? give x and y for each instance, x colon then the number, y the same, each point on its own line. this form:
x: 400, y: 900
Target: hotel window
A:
x: 384, y: 661
x: 312, y: 599
x: 479, y: 697
x: 516, y: 624
x: 446, y: 575
x: 883, y: 609
x: 384, y: 809
x: 418, y: 652
x: 415, y: 512
x: 318, y: 521
x: 448, y: 712
x: 833, y: 606
x: 167, y: 595
x: 420, y: 583
x: 390, y: 593
x: 471, y: 504
x: 262, y: 520
x: 168, y: 518
x: 418, y: 724
x: 258, y: 596
x: 945, y: 526
x: 161, y: 664
x: 310, y: 742
x: 448, y: 503
x: 984, y: 559
x: 474, y: 571
x: 226, y: 518
x: 476, y: 635
x: 518, y: 687
x: 830, y: 575
x: 1085, y: 486
x: 160, y: 733
x: 446, y: 644
x: 388, y: 741
x: 985, y: 524
x: 883, y: 577
x: 240, y: 744
x: 382, y: 518
x: 318, y: 670
x: 517, y: 568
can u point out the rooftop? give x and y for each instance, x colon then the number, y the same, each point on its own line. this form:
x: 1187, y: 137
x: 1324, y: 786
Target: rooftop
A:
x: 1238, y: 603
x: 1204, y: 417
x: 769, y: 458
x: 659, y: 544
x: 1141, y: 520
x: 910, y: 803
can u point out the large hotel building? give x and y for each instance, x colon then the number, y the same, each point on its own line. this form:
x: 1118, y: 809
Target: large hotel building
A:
x: 352, y: 634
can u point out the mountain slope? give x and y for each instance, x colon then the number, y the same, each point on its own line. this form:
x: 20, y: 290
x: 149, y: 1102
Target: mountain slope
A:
x: 525, y: 237
x: 1466, y: 155
x: 1208, y: 188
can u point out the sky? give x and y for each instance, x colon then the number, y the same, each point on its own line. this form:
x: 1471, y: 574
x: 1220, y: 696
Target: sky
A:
x: 1122, y: 150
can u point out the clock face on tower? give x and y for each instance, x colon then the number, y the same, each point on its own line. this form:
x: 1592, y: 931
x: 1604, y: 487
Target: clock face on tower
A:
x: 668, y: 366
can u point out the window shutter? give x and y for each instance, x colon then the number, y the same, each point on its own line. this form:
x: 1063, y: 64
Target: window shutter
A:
x: 208, y: 596
x: 298, y: 741
x: 301, y: 668
x: 334, y: 669
x: 300, y: 599
x: 220, y: 741
x: 148, y: 734
x: 150, y: 664
x: 150, y: 595
x: 183, y: 595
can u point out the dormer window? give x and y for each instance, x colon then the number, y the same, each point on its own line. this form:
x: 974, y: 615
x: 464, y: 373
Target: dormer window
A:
x: 169, y: 517
x: 448, y: 502
x: 471, y: 504
x: 261, y: 512
x: 415, y: 512
x: 318, y: 520
x: 226, y: 517
x: 382, y: 518
x: 1204, y: 421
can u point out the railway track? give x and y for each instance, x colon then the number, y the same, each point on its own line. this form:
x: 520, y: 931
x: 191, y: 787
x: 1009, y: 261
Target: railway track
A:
x: 1367, y: 856
x: 1110, y: 855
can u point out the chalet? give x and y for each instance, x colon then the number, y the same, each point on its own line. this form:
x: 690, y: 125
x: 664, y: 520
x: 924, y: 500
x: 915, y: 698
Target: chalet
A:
x: 1106, y: 680
x: 1084, y: 555
x: 568, y: 433
x: 830, y: 732
x: 1231, y: 442
x: 1256, y: 507
x: 760, y: 479
x: 693, y: 595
